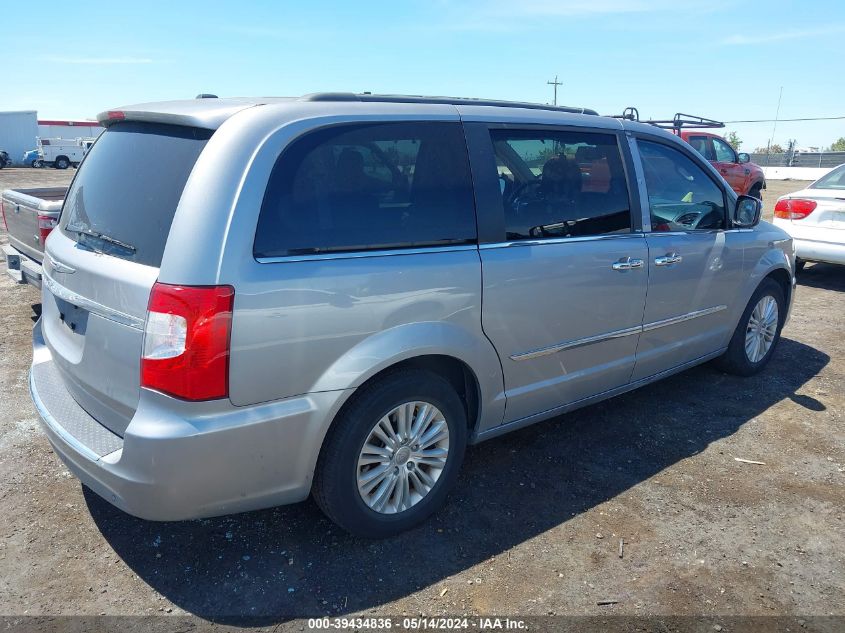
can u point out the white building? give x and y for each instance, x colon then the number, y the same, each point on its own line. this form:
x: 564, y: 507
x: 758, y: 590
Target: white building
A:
x: 68, y: 129
x: 17, y: 133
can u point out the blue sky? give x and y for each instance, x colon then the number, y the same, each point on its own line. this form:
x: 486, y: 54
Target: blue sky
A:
x: 719, y: 59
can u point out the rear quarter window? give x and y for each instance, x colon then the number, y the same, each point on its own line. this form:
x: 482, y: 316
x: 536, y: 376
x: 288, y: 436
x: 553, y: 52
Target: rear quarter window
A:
x: 368, y: 186
x: 123, y: 199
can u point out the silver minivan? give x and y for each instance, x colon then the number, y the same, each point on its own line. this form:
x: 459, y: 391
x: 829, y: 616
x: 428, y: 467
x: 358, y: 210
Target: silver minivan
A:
x: 248, y: 301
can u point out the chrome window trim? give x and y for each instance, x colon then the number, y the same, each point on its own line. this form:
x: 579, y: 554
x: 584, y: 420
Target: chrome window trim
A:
x: 387, y: 252
x: 690, y: 232
x: 562, y: 240
x: 598, y: 338
x: 92, y: 306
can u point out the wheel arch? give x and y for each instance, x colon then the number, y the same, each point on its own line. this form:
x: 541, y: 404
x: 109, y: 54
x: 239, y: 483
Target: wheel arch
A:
x: 456, y: 372
x: 466, y: 359
x: 776, y: 266
x: 758, y: 182
x: 783, y: 278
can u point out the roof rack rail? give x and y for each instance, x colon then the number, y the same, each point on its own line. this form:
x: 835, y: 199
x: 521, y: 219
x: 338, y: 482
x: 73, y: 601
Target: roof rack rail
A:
x: 676, y: 124
x: 370, y: 97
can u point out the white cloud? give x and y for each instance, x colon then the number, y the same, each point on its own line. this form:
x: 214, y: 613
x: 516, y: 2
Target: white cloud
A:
x: 96, y: 61
x: 792, y: 34
x: 568, y: 8
x: 506, y: 15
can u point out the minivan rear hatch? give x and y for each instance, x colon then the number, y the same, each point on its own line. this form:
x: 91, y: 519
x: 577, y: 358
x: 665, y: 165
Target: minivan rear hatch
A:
x: 103, y: 261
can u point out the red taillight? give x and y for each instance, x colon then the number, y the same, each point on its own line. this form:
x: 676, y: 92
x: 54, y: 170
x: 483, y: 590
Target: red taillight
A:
x: 45, y: 225
x: 116, y: 115
x: 3, y: 211
x: 186, y: 341
x: 794, y: 208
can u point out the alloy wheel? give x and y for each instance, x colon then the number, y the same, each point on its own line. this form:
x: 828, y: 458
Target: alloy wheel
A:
x: 761, y: 329
x: 403, y: 457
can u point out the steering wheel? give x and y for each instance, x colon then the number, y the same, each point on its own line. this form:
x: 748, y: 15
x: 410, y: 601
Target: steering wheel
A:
x: 706, y: 214
x: 519, y: 189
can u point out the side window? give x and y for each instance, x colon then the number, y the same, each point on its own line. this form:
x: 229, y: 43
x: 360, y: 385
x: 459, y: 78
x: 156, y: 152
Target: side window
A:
x: 681, y: 196
x: 701, y: 144
x: 368, y: 186
x: 724, y: 152
x: 561, y: 184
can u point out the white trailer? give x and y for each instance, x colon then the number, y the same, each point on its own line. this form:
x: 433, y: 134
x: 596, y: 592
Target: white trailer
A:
x: 17, y: 133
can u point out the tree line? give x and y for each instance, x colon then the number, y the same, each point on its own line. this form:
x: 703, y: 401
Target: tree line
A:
x: 734, y: 141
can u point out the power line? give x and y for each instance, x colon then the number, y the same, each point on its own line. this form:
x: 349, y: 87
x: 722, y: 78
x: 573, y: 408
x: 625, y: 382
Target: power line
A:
x: 819, y: 118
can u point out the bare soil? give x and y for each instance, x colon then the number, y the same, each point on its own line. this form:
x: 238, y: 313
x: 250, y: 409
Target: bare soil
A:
x: 534, y: 526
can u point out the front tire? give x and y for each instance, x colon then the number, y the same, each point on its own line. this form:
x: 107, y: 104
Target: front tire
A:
x: 756, y: 191
x: 758, y: 332
x: 392, y: 455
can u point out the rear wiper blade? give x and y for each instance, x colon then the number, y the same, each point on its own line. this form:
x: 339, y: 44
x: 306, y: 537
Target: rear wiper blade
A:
x: 101, y: 236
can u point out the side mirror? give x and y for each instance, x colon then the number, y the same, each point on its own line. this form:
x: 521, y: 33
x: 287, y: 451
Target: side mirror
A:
x: 747, y: 212
x: 743, y: 158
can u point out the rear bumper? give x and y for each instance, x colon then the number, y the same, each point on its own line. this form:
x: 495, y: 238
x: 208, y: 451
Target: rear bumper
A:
x: 819, y: 251
x: 21, y: 268
x: 180, y: 460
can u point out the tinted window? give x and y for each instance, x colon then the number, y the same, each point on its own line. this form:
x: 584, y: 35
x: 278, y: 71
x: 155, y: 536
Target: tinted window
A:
x: 724, y: 152
x: 123, y: 199
x: 392, y: 185
x: 561, y: 184
x: 681, y: 196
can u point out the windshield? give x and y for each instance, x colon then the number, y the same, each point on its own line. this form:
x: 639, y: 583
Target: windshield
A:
x: 123, y: 199
x: 832, y: 180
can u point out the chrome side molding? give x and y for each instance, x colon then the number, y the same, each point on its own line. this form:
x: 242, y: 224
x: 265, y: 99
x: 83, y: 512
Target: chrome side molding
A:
x: 545, y: 351
x: 647, y: 327
x: 598, y: 338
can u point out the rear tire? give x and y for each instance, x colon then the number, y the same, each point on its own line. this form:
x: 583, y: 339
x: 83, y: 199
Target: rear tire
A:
x: 758, y: 332
x: 799, y: 265
x: 62, y: 162
x: 341, y: 487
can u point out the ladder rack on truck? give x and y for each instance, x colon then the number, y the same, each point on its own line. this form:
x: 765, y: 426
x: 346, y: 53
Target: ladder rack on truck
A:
x: 676, y: 124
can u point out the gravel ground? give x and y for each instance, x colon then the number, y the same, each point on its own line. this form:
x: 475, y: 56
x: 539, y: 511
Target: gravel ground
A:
x: 534, y: 526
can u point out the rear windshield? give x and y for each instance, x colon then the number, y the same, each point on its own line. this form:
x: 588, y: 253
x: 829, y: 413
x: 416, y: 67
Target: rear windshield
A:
x: 833, y: 180
x: 124, y: 197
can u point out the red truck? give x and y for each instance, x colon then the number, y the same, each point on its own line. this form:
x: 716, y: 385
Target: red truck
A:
x: 742, y: 175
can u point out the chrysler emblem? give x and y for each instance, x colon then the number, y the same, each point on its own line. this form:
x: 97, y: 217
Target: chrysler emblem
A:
x: 59, y: 267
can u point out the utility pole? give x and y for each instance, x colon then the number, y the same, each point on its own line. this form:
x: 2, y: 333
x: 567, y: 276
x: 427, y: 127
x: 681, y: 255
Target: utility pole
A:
x: 774, y: 127
x: 555, y: 83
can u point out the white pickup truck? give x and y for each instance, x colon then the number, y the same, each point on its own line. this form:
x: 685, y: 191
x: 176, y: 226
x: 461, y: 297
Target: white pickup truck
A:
x: 62, y: 153
x: 29, y: 215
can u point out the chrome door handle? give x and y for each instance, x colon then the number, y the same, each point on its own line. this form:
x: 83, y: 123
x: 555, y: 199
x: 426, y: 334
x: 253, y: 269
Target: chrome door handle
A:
x: 626, y: 263
x: 668, y: 259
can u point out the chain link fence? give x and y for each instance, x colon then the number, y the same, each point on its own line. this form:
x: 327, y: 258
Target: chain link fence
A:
x: 799, y: 159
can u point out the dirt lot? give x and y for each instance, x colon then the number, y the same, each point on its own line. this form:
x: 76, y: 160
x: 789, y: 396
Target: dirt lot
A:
x: 533, y: 528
